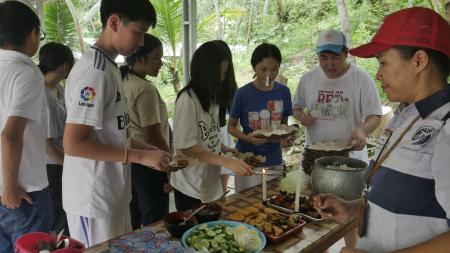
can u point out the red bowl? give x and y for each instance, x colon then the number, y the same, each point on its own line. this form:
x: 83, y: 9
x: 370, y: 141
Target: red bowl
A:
x: 211, y: 212
x: 172, y: 223
x: 28, y: 243
x: 283, y: 237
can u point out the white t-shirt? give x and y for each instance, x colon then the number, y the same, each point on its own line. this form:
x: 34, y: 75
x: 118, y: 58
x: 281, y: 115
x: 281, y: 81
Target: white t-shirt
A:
x: 192, y: 125
x: 340, y: 104
x: 56, y: 111
x: 94, y: 97
x: 22, y: 95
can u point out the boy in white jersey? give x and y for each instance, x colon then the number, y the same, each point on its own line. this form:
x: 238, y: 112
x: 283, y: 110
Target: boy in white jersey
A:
x: 96, y: 178
x: 25, y: 203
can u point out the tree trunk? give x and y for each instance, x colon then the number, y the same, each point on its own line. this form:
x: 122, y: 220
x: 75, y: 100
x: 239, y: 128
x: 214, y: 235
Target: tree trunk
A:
x: 73, y: 11
x: 218, y: 20
x: 175, y: 80
x: 238, y: 29
x: 342, y: 10
x: 250, y: 21
x: 266, y: 7
x: 87, y: 19
x: 446, y: 11
x: 281, y: 14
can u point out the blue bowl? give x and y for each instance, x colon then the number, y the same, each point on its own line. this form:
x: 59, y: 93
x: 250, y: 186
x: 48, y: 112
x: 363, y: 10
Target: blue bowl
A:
x: 228, y: 223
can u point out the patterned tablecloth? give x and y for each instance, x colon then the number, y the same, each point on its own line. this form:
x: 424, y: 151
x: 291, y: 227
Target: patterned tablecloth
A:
x: 315, y: 236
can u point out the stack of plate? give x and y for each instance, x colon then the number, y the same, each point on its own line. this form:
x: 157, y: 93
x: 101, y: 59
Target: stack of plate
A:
x: 321, y: 149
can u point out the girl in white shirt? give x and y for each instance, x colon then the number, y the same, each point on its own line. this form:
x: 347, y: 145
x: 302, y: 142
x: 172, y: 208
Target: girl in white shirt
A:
x: 196, y: 130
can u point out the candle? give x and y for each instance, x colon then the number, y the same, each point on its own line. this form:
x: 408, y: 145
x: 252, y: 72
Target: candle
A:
x: 297, y: 195
x: 264, y: 185
x: 267, y: 81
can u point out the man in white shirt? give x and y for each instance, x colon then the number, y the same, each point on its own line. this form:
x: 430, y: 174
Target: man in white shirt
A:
x: 96, y: 176
x: 337, y: 100
x: 25, y: 203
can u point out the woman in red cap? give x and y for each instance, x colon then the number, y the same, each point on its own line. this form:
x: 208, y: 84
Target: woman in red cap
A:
x: 406, y: 203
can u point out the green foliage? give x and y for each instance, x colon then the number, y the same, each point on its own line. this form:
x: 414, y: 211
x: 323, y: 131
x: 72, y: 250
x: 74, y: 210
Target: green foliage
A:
x: 292, y: 25
x: 297, y: 32
x: 59, y: 24
x: 90, y: 18
x: 169, y: 25
x: 229, y: 13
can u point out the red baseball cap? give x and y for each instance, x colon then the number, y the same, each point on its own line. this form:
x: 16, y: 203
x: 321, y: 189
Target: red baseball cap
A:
x: 417, y: 27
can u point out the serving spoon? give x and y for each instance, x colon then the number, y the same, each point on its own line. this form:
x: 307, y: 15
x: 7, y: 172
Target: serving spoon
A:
x: 192, y: 215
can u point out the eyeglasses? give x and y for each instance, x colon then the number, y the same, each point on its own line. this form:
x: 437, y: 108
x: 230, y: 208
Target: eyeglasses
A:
x: 42, y: 35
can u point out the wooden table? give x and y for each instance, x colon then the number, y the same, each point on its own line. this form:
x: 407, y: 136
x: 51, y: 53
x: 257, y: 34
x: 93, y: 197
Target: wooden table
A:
x: 315, y: 237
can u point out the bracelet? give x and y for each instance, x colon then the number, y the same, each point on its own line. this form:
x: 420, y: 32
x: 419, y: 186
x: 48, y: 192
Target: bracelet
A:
x: 125, y: 157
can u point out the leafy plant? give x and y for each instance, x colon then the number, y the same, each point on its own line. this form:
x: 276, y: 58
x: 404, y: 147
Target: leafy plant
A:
x: 169, y: 30
x: 59, y: 24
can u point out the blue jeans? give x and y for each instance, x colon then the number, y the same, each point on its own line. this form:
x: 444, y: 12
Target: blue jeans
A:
x: 27, y: 218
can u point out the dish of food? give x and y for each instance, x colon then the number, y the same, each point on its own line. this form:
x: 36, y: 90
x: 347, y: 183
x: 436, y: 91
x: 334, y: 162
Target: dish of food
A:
x: 340, y: 167
x: 231, y: 236
x: 252, y: 159
x: 276, y: 225
x: 211, y: 212
x: 330, y: 146
x: 284, y: 202
x: 321, y: 149
x: 178, y: 163
x: 276, y: 132
x: 176, y: 223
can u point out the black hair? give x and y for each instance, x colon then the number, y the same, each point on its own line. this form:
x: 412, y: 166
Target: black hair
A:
x: 205, y: 75
x: 128, y: 10
x: 265, y: 50
x: 230, y: 86
x: 52, y: 55
x: 17, y: 21
x: 150, y: 43
x: 440, y: 60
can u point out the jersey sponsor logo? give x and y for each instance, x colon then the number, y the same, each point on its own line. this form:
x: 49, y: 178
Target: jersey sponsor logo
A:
x: 423, y: 135
x: 87, y: 95
x: 123, y: 121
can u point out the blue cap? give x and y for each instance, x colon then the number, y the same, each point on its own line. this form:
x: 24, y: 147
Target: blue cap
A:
x: 331, y: 40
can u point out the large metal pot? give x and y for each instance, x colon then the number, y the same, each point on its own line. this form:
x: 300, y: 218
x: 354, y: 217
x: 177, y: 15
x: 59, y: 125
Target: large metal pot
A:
x: 347, y: 184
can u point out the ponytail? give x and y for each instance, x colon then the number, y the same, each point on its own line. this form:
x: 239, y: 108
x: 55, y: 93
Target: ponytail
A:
x: 124, y: 70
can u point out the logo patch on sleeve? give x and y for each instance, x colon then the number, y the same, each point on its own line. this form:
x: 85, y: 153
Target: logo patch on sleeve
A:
x: 423, y: 135
x: 87, y: 95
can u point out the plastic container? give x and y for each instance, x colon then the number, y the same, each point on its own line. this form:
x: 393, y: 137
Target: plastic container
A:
x: 283, y: 237
x: 28, y: 243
